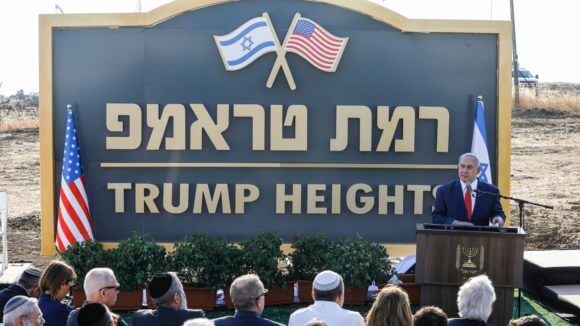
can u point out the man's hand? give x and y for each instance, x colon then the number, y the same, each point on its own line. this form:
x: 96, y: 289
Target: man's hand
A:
x: 497, y: 220
x: 456, y: 222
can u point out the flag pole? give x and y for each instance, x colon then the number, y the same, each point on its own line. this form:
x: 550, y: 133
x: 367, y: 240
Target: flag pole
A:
x: 281, y: 54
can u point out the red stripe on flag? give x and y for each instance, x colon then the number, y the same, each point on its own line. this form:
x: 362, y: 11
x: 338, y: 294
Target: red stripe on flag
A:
x: 324, y: 45
x: 308, y: 57
x: 304, y: 48
x: 73, y: 215
x: 307, y: 43
x: 59, y: 245
x: 65, y: 229
x: 329, y: 37
x: 80, y: 198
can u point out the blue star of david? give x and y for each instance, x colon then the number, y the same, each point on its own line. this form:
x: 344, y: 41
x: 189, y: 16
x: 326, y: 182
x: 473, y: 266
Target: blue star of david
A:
x: 247, y: 43
x: 482, y: 175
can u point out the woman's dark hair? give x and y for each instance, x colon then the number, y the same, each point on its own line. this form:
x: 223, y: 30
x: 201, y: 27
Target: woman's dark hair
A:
x: 56, y: 274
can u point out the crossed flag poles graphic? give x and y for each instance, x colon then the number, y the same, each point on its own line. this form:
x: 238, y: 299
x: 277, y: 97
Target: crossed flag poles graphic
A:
x: 257, y: 37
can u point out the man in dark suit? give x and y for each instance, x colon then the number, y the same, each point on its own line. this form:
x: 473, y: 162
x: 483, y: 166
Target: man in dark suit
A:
x: 248, y: 295
x: 27, y: 285
x: 458, y: 203
x: 168, y: 296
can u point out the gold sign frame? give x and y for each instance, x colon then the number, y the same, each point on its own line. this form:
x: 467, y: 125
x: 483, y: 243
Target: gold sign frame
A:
x: 47, y: 23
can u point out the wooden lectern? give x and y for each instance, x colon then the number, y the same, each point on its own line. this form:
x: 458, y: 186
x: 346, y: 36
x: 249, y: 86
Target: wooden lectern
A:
x: 448, y: 255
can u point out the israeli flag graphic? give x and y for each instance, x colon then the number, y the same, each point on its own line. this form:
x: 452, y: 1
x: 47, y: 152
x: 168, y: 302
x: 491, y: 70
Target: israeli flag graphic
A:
x: 479, y: 142
x: 246, y: 44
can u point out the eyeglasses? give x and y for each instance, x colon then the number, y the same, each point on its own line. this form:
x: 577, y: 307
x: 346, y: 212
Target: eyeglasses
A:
x: 116, y: 287
x: 37, y: 317
x: 262, y: 295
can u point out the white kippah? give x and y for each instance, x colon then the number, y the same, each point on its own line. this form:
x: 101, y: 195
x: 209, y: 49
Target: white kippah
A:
x: 326, y: 281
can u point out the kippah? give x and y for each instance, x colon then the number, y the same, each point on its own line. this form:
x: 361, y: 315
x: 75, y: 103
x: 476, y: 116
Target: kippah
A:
x: 326, y: 281
x: 159, y: 285
x: 14, y: 303
x: 91, y: 313
x: 33, y: 272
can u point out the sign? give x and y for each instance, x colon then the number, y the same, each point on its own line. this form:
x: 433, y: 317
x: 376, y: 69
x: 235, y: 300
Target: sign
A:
x: 288, y: 116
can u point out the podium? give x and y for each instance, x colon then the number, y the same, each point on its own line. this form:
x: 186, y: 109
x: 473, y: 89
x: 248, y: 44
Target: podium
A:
x: 448, y: 255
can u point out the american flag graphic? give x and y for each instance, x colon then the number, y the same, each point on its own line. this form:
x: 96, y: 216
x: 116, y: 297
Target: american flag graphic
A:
x: 313, y: 43
x: 74, y: 217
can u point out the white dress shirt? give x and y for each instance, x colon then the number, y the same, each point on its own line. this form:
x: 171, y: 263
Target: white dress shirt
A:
x: 328, y: 311
x: 473, y: 196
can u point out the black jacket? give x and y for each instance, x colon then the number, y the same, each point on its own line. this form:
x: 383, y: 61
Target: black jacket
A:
x: 164, y: 316
x: 9, y: 293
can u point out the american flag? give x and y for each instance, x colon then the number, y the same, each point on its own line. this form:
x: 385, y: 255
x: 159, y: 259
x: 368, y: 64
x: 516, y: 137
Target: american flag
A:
x: 313, y: 43
x: 74, y: 217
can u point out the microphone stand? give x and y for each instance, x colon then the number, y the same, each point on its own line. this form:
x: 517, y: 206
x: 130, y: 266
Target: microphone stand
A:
x: 521, y: 203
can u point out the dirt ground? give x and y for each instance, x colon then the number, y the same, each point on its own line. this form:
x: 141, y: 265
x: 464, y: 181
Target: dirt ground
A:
x: 545, y: 169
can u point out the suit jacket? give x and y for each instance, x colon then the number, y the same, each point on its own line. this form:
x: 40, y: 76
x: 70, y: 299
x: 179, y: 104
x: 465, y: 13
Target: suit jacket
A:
x: 9, y: 293
x: 245, y: 318
x: 450, y: 204
x: 466, y: 322
x: 54, y: 312
x: 164, y: 316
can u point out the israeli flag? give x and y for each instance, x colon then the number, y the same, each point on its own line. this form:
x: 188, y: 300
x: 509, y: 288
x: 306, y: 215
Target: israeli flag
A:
x: 479, y: 142
x: 246, y: 44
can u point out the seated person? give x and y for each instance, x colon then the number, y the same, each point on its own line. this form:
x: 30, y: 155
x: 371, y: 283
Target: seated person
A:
x: 94, y: 314
x: 168, y: 296
x: 248, y: 295
x: 475, y: 302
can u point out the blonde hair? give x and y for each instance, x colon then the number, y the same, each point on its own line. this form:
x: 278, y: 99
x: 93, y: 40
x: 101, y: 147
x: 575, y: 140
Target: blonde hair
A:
x: 56, y: 274
x: 391, y: 307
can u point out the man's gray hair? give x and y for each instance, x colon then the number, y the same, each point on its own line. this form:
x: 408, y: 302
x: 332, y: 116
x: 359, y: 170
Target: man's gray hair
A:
x: 475, y: 298
x: 245, y: 290
x: 472, y: 155
x: 98, y: 278
x: 23, y: 309
x: 166, y: 300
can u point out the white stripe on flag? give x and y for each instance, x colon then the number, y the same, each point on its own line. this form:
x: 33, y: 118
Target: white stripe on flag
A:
x: 78, y: 210
x: 70, y: 223
x: 62, y: 236
x: 78, y: 182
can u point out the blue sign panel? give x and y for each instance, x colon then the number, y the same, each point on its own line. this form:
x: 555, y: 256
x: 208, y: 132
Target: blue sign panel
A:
x: 285, y: 116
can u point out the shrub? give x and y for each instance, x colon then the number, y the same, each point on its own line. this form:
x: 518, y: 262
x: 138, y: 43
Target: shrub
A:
x: 310, y: 256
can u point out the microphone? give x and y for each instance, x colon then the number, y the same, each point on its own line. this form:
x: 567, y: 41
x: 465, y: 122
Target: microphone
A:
x: 471, y: 191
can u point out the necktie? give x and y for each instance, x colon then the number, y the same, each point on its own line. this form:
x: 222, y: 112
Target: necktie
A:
x: 468, y: 203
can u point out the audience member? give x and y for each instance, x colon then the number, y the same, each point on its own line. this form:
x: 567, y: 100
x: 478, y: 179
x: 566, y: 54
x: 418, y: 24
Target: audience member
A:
x: 532, y: 320
x: 475, y: 302
x: 168, y: 296
x: 248, y: 295
x: 55, y: 284
x: 199, y: 322
x: 27, y: 285
x: 100, y: 286
x: 391, y: 307
x: 22, y: 310
x: 94, y: 314
x: 430, y: 316
x: 328, y: 295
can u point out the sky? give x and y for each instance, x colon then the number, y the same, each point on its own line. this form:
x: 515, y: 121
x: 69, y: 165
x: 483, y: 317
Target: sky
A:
x: 547, y: 31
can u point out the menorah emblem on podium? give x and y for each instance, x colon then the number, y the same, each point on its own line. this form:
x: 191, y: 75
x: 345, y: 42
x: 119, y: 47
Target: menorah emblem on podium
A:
x: 472, y: 265
x: 469, y: 253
